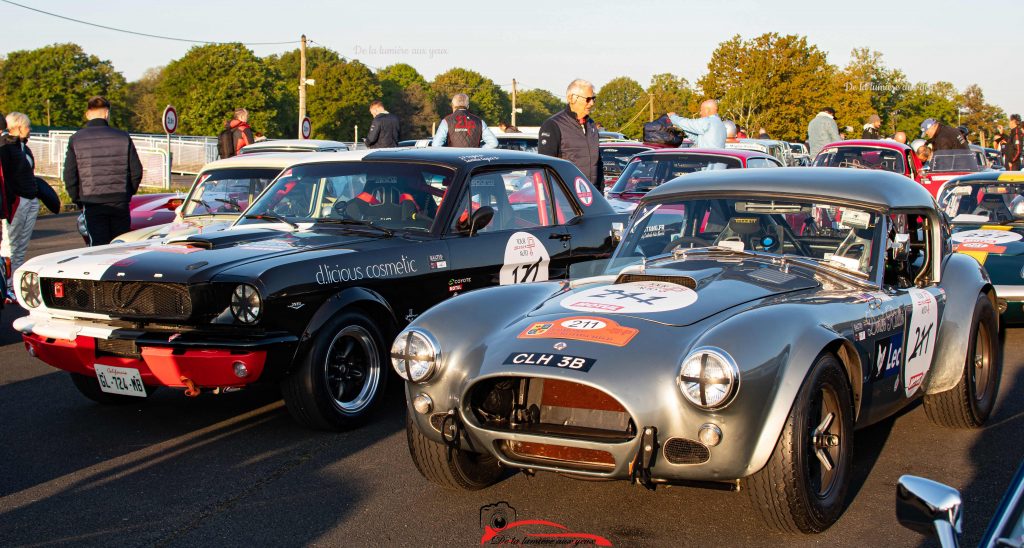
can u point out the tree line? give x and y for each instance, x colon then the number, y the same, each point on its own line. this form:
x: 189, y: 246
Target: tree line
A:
x: 773, y: 81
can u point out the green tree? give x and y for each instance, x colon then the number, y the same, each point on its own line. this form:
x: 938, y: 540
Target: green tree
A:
x: 772, y: 81
x: 979, y: 116
x: 288, y: 65
x: 486, y: 98
x: 672, y: 94
x: 142, y: 105
x: 865, y: 87
x: 52, y: 85
x: 340, y: 100
x: 621, y: 106
x: 938, y: 100
x: 211, y: 81
x: 407, y: 94
x: 538, y: 105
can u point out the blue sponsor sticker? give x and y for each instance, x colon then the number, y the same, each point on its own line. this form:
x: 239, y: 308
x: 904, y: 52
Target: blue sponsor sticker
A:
x: 888, y: 356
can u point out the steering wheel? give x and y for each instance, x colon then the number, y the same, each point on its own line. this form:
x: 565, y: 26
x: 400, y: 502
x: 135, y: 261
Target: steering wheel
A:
x: 686, y: 242
x: 339, y: 209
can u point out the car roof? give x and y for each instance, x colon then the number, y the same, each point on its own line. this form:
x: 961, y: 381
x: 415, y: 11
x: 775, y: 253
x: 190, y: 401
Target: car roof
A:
x: 516, y: 135
x: 876, y: 143
x: 730, y: 152
x: 827, y: 184
x: 294, y: 144
x: 621, y: 144
x: 985, y: 176
x: 278, y: 160
x: 453, y: 156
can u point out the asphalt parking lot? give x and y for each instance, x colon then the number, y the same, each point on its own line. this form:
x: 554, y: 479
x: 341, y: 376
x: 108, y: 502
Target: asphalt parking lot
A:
x: 234, y: 469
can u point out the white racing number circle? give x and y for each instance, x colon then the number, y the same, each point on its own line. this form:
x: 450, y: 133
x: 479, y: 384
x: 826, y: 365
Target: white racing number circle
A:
x: 583, y: 191
x: 986, y: 236
x: 631, y: 298
x: 526, y: 260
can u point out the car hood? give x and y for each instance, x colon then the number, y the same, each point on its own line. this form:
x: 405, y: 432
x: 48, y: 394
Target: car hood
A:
x: 190, y: 225
x: 193, y: 258
x: 678, y: 293
x: 999, y: 248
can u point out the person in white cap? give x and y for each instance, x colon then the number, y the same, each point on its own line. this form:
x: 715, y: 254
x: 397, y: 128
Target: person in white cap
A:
x: 942, y: 137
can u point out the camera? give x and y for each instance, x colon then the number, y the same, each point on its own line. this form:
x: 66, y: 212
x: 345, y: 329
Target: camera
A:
x: 497, y: 515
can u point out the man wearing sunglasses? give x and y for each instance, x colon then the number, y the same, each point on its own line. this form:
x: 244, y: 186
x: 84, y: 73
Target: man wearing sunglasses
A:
x: 571, y: 134
x: 708, y: 131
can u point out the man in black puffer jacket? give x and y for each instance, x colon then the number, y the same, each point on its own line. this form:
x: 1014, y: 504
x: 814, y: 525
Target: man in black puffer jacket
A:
x: 102, y: 172
x: 571, y: 134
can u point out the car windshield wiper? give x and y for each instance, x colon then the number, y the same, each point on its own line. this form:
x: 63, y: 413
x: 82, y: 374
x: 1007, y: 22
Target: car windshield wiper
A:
x: 270, y: 217
x: 201, y: 202
x: 354, y: 222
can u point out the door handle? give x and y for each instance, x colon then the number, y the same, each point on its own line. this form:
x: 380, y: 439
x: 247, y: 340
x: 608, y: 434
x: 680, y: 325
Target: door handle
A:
x: 563, y: 236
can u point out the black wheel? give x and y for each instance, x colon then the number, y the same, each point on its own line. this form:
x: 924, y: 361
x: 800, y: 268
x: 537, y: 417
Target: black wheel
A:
x: 90, y: 388
x: 969, y: 404
x: 803, y: 486
x: 341, y: 378
x: 450, y: 468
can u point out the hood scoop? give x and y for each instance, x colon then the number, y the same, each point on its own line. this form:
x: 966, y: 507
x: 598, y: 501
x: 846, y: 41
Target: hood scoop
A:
x: 684, y: 281
x: 227, y: 238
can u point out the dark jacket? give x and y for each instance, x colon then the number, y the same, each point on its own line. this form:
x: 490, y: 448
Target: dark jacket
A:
x: 1014, y: 146
x: 102, y: 166
x: 385, y: 131
x: 16, y: 161
x: 870, y: 132
x: 948, y: 138
x: 241, y: 134
x: 465, y: 129
x: 564, y: 137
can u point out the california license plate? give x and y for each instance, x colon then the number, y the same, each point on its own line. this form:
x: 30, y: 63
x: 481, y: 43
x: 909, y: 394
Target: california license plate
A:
x: 120, y: 380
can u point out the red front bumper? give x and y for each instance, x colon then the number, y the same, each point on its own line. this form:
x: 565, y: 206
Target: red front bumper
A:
x: 158, y: 366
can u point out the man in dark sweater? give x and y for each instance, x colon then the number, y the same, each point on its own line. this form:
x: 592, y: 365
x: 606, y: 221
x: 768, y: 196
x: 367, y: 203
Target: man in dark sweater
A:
x: 943, y: 137
x: 572, y: 134
x: 385, y: 129
x: 102, y: 172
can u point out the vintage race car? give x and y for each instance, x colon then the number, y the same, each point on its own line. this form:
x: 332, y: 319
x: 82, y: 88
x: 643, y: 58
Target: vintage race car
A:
x: 987, y: 212
x: 779, y: 149
x: 881, y: 154
x: 311, y: 284
x: 725, y: 344
x: 947, y: 165
x: 221, y: 191
x: 615, y: 156
x: 648, y: 170
x: 293, y: 145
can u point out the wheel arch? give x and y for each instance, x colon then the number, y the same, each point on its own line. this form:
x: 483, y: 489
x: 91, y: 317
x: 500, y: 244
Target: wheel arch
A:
x: 365, y: 300
x: 963, y: 279
x: 850, y: 359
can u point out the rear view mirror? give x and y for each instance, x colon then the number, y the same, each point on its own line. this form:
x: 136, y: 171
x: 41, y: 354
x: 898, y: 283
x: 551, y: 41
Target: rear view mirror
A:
x: 478, y: 220
x: 930, y: 508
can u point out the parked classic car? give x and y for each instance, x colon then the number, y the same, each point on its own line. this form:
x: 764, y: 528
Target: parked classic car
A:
x: 936, y: 510
x: 311, y: 284
x: 648, y: 170
x: 736, y: 338
x: 221, y: 191
x: 946, y: 165
x: 293, y: 145
x: 878, y: 154
x: 615, y: 156
x: 987, y: 219
x: 779, y: 149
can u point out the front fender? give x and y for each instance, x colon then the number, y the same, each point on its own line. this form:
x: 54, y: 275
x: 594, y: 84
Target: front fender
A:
x: 963, y: 279
x: 351, y: 296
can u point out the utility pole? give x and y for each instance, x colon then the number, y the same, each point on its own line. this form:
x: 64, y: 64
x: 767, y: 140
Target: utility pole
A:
x: 48, y: 111
x: 513, y: 101
x: 302, y: 83
x: 650, y: 102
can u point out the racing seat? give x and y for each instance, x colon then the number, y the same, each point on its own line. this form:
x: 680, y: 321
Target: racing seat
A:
x: 995, y: 207
x: 748, y: 230
x: 857, y: 245
x: 382, y: 202
x: 490, y: 191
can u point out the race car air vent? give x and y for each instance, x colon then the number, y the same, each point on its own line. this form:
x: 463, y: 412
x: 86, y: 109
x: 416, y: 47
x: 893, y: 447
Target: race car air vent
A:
x: 164, y: 301
x: 684, y: 281
x: 436, y: 420
x: 558, y: 455
x: 684, y: 451
x: 117, y: 347
x: 772, y: 276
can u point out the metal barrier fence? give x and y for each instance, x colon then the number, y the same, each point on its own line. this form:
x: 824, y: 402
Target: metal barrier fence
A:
x: 50, y: 152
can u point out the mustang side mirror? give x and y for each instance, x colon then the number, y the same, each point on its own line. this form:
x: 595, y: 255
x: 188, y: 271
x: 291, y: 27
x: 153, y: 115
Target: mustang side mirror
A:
x: 478, y: 220
x: 930, y: 508
x: 616, y: 232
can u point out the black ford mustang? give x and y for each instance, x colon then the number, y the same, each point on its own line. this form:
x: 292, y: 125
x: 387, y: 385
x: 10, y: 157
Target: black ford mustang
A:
x: 309, y: 287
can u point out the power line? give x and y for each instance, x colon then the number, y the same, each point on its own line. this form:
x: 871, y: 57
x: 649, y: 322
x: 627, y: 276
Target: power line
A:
x: 142, y: 33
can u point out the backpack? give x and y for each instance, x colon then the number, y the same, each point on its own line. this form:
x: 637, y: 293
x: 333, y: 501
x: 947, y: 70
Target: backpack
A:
x: 226, y: 143
x: 662, y: 132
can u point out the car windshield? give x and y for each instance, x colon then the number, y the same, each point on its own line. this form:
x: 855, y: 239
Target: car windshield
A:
x: 644, y: 173
x: 227, y: 191
x: 954, y: 160
x: 841, y: 237
x: 863, y: 158
x: 981, y: 203
x: 616, y: 158
x: 391, y: 195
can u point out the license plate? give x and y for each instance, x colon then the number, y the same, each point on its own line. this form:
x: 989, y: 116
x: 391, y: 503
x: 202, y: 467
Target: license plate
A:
x: 120, y: 380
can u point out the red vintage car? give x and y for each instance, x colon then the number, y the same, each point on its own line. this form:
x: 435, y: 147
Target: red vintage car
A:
x: 647, y: 170
x: 876, y: 154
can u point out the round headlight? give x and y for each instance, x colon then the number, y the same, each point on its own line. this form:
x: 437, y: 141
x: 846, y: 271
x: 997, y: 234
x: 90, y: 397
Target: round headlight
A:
x: 415, y: 355
x: 709, y: 378
x: 246, y: 304
x: 30, y: 294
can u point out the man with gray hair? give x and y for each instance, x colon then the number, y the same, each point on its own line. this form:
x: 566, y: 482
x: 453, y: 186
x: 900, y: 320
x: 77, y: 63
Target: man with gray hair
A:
x: 571, y: 134
x: 708, y: 131
x: 20, y: 185
x: 462, y: 128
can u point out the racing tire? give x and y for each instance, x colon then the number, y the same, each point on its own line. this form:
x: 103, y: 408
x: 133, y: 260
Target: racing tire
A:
x: 969, y: 404
x: 802, y: 488
x: 448, y: 467
x: 90, y: 388
x: 340, y: 381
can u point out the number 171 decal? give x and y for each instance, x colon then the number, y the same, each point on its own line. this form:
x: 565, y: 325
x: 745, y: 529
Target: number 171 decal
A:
x: 526, y: 260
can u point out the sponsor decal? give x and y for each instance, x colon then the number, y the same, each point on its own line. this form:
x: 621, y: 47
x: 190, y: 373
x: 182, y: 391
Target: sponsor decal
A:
x: 582, y: 328
x: 583, y: 191
x: 855, y: 218
x: 478, y: 158
x: 543, y: 359
x: 920, y: 339
x: 456, y: 284
x: 631, y: 298
x: 888, y: 322
x: 888, y: 356
x: 270, y: 245
x: 655, y: 231
x: 327, y: 274
x: 559, y: 345
x: 979, y: 247
x: 526, y: 260
x: 438, y: 261
x: 500, y: 525
x: 176, y: 249
x: 296, y: 305
x: 58, y: 290
x: 987, y: 235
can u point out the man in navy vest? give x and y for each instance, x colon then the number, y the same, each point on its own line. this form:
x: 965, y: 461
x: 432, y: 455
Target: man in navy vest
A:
x: 571, y: 134
x: 462, y: 128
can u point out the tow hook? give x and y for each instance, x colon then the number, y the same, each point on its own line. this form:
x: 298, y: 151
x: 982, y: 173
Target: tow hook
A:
x: 644, y: 460
x: 191, y: 390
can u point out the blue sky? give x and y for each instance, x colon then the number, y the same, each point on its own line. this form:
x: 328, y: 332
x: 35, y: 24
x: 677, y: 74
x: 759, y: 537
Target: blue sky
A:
x: 545, y: 44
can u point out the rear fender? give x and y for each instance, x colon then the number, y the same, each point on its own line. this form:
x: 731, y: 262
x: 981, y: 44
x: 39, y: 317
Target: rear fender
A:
x: 963, y: 279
